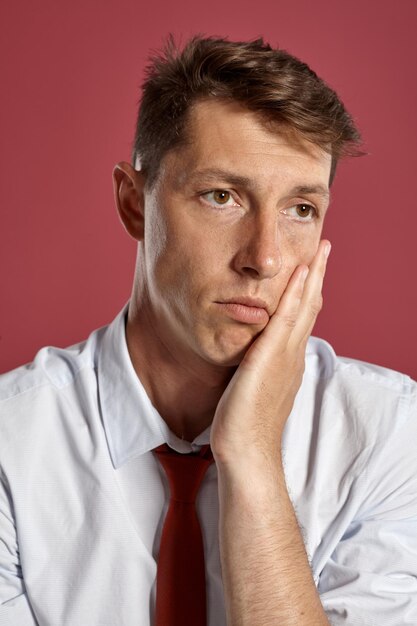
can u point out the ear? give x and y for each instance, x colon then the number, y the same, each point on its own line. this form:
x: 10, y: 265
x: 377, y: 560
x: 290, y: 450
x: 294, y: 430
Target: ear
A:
x: 128, y: 185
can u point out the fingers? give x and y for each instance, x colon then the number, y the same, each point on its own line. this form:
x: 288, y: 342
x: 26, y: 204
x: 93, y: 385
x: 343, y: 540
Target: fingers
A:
x: 293, y: 321
x: 301, y: 301
x: 289, y: 305
x: 285, y: 319
x: 312, y: 300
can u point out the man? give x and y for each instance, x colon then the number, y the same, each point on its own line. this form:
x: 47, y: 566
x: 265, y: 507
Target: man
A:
x: 309, y: 511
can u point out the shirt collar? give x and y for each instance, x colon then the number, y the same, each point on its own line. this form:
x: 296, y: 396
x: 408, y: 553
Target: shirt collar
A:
x: 132, y: 424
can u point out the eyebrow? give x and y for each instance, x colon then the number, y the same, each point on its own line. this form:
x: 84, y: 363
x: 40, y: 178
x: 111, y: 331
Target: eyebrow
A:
x: 319, y: 190
x: 216, y: 174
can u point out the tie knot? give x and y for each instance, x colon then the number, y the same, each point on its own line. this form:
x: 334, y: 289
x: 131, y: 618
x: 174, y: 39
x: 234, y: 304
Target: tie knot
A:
x: 184, y: 471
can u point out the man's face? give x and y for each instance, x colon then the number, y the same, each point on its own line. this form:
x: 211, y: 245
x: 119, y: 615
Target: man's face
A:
x: 231, y: 216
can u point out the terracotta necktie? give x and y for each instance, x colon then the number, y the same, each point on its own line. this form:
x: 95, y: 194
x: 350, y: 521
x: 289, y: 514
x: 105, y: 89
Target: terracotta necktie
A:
x: 180, y: 581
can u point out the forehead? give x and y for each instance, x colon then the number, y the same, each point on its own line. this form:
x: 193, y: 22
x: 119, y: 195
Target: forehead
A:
x: 227, y: 136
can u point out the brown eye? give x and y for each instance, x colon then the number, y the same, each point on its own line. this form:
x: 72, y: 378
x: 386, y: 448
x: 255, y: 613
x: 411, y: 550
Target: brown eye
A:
x: 220, y: 196
x: 304, y: 210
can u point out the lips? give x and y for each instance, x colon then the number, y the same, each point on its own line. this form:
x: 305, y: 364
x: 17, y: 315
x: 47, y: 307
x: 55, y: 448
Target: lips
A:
x: 245, y: 309
x: 248, y: 301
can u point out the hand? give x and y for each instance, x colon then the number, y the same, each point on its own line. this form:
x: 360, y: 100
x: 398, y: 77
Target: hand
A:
x: 251, y: 414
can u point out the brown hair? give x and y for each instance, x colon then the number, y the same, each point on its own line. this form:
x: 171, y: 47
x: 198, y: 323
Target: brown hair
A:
x: 271, y: 82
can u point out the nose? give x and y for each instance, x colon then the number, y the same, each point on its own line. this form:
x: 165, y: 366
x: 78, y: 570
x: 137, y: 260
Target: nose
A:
x: 259, y: 253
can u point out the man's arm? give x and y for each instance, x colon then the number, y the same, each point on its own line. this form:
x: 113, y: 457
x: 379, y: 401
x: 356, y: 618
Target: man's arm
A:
x: 370, y: 575
x: 266, y: 574
x: 15, y: 609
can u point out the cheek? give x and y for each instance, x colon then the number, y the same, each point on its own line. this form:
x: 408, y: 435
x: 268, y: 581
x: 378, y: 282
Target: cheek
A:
x: 300, y: 244
x: 155, y: 236
x: 176, y: 260
x: 308, y: 252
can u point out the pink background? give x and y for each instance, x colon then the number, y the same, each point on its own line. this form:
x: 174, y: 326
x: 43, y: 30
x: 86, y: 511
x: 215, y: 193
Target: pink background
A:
x: 70, y: 83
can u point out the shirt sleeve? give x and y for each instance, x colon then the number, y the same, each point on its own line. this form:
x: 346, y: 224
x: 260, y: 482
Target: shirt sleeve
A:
x: 371, y: 577
x: 15, y: 609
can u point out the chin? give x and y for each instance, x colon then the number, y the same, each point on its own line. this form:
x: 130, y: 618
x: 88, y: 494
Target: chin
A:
x: 229, y: 353
x: 227, y: 361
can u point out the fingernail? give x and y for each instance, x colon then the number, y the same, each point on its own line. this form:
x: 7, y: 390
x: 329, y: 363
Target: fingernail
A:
x: 327, y: 249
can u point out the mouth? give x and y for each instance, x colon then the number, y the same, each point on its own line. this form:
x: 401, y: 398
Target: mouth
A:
x: 245, y: 310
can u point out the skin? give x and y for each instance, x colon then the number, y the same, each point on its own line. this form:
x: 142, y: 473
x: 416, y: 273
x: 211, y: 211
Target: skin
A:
x: 198, y: 248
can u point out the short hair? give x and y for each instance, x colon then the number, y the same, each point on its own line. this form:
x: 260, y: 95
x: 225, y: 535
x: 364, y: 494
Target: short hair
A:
x: 268, y: 81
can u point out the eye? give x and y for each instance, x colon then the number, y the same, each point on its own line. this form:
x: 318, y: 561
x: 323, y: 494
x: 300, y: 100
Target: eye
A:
x: 303, y: 212
x: 219, y: 198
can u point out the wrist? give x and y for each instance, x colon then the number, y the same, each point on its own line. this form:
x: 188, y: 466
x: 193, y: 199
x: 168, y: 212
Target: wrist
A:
x: 251, y: 478
x: 249, y: 459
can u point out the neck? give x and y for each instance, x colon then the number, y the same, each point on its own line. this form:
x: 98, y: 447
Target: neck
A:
x: 184, y: 389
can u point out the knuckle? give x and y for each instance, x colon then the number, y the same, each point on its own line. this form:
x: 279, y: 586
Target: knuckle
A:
x: 289, y: 320
x: 316, y: 305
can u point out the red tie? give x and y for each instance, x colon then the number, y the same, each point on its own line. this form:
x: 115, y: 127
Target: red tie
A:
x: 180, y: 582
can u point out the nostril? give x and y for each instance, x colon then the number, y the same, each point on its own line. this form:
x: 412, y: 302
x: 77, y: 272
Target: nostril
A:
x: 251, y: 271
x: 260, y: 256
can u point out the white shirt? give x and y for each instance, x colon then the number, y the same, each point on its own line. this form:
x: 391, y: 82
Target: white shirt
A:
x: 83, y: 498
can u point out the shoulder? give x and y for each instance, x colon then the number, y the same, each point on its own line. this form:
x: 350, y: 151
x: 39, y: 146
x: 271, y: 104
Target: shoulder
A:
x: 35, y: 394
x: 367, y: 397
x: 52, y: 367
x: 323, y: 364
x: 322, y: 360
